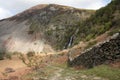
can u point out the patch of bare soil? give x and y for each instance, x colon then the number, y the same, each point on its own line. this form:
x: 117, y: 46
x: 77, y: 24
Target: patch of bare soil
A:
x: 115, y: 64
x: 14, y: 63
x: 13, y: 67
x: 102, y: 37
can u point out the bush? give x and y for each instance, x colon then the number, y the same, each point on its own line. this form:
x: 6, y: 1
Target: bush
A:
x: 31, y: 54
x: 5, y: 55
x: 31, y: 60
x: 90, y: 44
x: 22, y: 57
x: 113, y: 31
x: 108, y: 25
x: 8, y: 55
x: 16, y: 53
x: 1, y: 55
x: 90, y: 36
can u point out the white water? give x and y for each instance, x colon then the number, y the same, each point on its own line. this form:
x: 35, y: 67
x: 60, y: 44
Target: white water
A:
x: 70, y: 41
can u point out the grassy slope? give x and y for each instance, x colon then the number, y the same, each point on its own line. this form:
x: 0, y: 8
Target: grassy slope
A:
x: 58, y: 26
x: 103, y: 72
x: 105, y: 19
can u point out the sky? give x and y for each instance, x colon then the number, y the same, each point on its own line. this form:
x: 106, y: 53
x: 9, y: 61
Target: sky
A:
x: 9, y: 8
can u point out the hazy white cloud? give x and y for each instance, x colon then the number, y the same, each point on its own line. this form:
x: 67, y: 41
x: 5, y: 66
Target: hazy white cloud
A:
x: 12, y: 7
x: 4, y: 13
x: 96, y: 5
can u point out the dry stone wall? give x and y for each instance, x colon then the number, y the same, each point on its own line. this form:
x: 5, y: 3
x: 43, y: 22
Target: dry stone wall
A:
x: 101, y: 53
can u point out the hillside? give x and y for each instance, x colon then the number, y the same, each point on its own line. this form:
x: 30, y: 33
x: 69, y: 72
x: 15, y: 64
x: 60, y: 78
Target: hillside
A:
x: 42, y: 28
x: 104, y: 19
x: 74, y: 44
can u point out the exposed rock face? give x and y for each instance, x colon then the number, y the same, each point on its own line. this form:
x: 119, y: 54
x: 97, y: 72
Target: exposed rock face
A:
x: 14, y: 37
x: 40, y: 27
x: 101, y: 53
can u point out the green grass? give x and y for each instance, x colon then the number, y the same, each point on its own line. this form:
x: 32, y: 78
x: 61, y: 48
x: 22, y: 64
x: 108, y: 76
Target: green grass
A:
x: 113, y: 31
x: 41, y: 74
x: 90, y: 44
x: 103, y: 71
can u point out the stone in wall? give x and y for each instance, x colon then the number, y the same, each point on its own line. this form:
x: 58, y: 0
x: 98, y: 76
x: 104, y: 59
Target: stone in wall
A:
x: 107, y: 51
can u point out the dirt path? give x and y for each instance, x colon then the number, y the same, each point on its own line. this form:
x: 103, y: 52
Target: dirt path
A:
x: 63, y: 74
x: 57, y: 74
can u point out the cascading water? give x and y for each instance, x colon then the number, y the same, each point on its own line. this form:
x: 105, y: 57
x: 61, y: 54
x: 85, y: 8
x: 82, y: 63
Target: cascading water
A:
x: 70, y: 41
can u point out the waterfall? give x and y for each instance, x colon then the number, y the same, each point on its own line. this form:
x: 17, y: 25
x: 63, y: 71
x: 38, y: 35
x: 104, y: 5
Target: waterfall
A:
x: 71, y: 38
x: 70, y: 41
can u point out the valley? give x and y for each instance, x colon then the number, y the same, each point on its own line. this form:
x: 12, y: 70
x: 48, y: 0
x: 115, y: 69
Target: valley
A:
x: 57, y: 42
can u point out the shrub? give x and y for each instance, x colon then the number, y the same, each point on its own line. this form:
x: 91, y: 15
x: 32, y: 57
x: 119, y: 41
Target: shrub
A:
x: 49, y: 32
x: 90, y: 36
x: 8, y: 55
x: 16, y: 53
x: 31, y: 60
x: 108, y: 25
x: 31, y: 54
x: 22, y: 57
x: 90, y: 44
x: 113, y: 31
x: 1, y: 55
x: 5, y: 55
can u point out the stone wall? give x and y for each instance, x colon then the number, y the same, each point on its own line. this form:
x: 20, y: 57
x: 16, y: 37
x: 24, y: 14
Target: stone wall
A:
x: 101, y: 53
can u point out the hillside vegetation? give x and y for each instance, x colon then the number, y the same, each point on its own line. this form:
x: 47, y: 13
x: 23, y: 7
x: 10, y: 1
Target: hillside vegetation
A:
x: 104, y: 19
x: 58, y: 24
x: 44, y: 27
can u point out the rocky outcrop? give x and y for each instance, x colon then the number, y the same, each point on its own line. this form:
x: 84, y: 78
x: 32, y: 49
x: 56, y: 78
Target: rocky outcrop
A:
x: 101, y: 53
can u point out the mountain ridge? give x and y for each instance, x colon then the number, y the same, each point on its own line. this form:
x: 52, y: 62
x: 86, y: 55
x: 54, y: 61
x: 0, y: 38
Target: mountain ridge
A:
x: 51, y: 23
